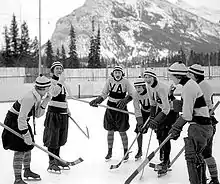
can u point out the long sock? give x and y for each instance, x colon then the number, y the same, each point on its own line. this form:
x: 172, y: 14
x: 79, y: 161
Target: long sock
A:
x: 17, y: 164
x: 124, y: 139
x: 27, y: 159
x: 212, y: 167
x: 139, y: 141
x: 52, y: 150
x: 110, y: 139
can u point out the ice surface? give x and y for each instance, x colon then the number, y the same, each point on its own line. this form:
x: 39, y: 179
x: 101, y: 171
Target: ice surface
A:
x: 94, y: 169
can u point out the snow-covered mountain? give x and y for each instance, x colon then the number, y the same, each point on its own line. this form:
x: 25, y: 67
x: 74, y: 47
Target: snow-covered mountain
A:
x: 204, y: 12
x: 131, y: 28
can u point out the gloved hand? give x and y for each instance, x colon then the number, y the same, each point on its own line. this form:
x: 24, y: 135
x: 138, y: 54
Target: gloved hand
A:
x: 177, y: 128
x: 152, y: 124
x: 139, y: 123
x: 121, y: 104
x: 61, y: 78
x: 96, y: 101
x: 68, y: 112
x: 27, y: 138
x: 46, y: 100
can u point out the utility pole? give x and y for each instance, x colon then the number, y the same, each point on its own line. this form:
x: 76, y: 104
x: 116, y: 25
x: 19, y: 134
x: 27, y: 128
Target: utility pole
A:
x: 39, y: 65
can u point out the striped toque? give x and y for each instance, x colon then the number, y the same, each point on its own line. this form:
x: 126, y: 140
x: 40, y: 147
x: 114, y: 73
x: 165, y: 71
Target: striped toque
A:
x: 42, y: 82
x: 118, y: 68
x: 54, y: 64
x: 139, y: 82
x: 196, y: 69
x: 178, y: 68
x: 151, y: 72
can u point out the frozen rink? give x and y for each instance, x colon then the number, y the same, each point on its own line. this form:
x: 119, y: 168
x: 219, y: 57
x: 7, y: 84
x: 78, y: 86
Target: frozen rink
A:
x: 94, y: 169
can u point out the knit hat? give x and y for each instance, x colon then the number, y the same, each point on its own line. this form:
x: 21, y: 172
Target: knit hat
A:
x: 42, y: 82
x: 151, y: 72
x: 54, y: 64
x: 178, y: 68
x: 139, y: 82
x: 118, y: 68
x: 196, y: 69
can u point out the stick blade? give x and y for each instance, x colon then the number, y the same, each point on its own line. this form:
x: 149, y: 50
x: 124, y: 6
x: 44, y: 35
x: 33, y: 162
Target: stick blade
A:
x: 77, y: 161
x: 115, y: 166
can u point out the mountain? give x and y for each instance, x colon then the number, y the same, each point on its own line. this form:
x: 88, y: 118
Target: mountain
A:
x: 131, y: 28
x: 204, y: 12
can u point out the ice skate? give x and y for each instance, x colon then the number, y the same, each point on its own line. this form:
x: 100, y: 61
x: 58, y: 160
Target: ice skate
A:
x: 30, y: 176
x: 109, y: 155
x: 127, y: 156
x: 163, y: 168
x: 53, y: 167
x: 214, y: 181
x: 63, y: 165
x: 20, y: 181
x: 138, y: 155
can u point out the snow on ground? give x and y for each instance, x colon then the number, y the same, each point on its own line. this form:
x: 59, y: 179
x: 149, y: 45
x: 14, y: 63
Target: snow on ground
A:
x: 94, y: 169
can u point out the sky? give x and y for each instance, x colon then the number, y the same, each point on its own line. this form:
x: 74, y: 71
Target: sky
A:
x: 51, y: 11
x: 28, y: 10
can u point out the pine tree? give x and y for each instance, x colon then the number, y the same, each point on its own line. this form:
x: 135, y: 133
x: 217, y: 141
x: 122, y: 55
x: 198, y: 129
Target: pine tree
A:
x: 63, y: 56
x: 25, y: 40
x: 6, y: 54
x: 91, y: 57
x: 58, y: 55
x: 49, y: 54
x: 34, y: 51
x: 14, y: 37
x: 97, y: 53
x: 73, y: 61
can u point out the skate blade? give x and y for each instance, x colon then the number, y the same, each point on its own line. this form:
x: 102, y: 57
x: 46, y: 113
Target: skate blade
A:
x: 53, y: 171
x: 160, y: 175
x: 124, y: 161
x: 64, y: 168
x: 107, y: 160
x: 136, y: 159
x: 31, y: 179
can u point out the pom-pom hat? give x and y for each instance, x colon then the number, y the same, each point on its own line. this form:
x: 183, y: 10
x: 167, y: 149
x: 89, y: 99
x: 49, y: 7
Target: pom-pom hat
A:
x: 139, y: 82
x: 150, y: 72
x: 196, y: 69
x: 54, y: 64
x: 42, y: 82
x: 178, y: 68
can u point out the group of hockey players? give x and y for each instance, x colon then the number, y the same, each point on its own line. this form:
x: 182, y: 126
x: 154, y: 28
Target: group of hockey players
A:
x: 155, y: 108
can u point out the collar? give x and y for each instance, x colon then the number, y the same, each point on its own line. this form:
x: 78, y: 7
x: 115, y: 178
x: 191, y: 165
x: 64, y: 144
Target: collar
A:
x: 36, y: 95
x: 144, y: 92
x: 184, y: 80
x: 154, y: 83
x: 55, y: 77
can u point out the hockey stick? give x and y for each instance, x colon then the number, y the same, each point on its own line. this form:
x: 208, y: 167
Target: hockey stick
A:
x: 139, y: 133
x: 87, y: 131
x: 77, y: 161
x: 146, y: 161
x: 105, y: 106
x: 148, y: 146
x: 155, y: 166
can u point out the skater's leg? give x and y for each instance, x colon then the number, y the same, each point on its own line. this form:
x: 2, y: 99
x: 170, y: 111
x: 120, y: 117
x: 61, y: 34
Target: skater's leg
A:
x: 17, y: 165
x: 139, y: 142
x: 124, y: 139
x: 110, y: 140
x: 27, y: 171
x: 52, y: 161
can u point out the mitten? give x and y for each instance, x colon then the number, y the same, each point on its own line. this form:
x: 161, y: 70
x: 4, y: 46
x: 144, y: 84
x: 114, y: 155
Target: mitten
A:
x: 96, y: 101
x: 27, y: 138
x: 152, y: 124
x: 177, y: 128
x: 121, y: 104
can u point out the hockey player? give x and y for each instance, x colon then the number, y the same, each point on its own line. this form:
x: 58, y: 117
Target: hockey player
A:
x: 194, y: 111
x: 56, y: 121
x: 142, y: 111
x: 17, y: 119
x: 162, y: 119
x: 116, y: 89
x: 197, y: 74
